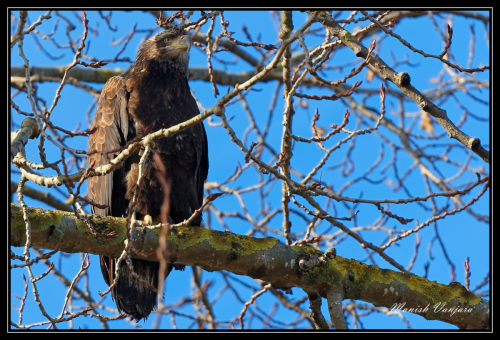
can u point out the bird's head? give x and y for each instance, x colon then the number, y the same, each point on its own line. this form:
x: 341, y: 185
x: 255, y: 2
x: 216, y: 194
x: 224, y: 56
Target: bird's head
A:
x: 171, y: 44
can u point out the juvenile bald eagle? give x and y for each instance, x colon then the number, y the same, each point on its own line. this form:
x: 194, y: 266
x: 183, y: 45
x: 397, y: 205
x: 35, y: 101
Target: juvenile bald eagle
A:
x: 157, y: 91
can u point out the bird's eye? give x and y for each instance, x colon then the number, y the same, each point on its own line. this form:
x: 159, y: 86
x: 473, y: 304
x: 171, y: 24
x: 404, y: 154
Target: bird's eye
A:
x: 167, y: 40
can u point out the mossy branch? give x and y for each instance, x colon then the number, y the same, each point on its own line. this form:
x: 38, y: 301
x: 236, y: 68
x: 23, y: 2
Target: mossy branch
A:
x: 266, y: 259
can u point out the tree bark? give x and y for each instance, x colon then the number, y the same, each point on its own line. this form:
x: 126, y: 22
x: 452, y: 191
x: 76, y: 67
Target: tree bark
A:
x: 266, y: 259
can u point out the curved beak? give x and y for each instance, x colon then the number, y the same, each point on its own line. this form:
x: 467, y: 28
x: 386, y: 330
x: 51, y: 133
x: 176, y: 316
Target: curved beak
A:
x: 183, y: 43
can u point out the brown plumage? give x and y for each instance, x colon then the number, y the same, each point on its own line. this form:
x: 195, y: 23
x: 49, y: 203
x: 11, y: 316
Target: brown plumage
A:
x: 156, y: 92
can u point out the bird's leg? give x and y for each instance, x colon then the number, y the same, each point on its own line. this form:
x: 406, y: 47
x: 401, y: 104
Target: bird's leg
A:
x: 148, y: 219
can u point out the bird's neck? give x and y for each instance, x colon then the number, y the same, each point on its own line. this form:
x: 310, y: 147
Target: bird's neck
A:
x: 158, y: 94
x: 144, y: 67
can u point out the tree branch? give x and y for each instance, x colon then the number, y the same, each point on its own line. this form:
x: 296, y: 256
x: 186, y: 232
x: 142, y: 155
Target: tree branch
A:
x: 404, y: 85
x: 266, y: 259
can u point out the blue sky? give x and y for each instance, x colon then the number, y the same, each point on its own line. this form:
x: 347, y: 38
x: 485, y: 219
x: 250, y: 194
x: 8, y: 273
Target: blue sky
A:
x: 463, y: 235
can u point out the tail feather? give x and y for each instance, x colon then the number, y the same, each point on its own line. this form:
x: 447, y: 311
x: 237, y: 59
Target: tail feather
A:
x: 132, y: 296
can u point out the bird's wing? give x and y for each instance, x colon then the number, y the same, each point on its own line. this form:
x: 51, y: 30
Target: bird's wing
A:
x: 111, y: 119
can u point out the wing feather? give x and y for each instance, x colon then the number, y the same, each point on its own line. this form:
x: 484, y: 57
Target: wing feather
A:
x: 111, y: 119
